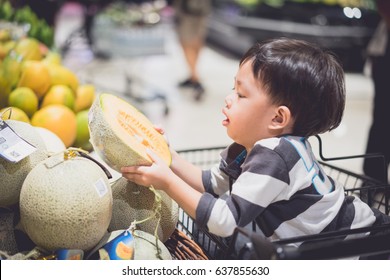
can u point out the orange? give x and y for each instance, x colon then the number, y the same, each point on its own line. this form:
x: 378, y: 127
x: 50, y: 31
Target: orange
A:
x: 11, y: 70
x: 13, y: 113
x: 58, y: 119
x: 28, y: 48
x: 4, y: 90
x: 52, y: 57
x: 61, y: 75
x: 85, y: 95
x: 82, y: 136
x: 59, y: 94
x: 35, y: 75
x: 25, y: 99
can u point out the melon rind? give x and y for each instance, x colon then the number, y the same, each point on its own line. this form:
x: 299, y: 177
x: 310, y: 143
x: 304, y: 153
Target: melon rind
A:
x: 66, y: 203
x: 113, y: 148
x: 53, y: 143
x: 12, y: 174
x: 133, y: 202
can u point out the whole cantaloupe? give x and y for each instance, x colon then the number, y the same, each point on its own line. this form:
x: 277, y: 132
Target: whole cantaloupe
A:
x: 13, y: 174
x: 66, y: 202
x: 120, y: 134
x: 52, y: 142
x: 133, y: 202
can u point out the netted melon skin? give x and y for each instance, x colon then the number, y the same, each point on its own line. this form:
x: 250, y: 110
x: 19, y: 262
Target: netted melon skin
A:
x: 68, y: 205
x: 145, y: 248
x: 12, y: 174
x: 133, y: 202
x: 106, y: 143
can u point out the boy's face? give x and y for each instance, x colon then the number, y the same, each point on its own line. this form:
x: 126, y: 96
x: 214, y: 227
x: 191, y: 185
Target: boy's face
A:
x: 249, y: 112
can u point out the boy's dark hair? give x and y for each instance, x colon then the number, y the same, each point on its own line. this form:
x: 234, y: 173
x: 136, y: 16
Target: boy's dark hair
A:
x: 303, y: 77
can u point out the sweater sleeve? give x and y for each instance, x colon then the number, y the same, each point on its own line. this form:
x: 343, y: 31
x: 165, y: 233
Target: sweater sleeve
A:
x: 262, y: 179
x: 215, y: 181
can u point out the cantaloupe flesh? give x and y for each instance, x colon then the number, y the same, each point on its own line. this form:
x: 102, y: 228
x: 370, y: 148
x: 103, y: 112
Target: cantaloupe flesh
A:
x: 134, y: 128
x: 120, y: 134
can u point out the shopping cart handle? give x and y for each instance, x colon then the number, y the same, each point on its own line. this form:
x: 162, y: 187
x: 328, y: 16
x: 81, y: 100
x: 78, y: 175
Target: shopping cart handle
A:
x: 258, y: 247
x: 379, y: 156
x: 373, y: 247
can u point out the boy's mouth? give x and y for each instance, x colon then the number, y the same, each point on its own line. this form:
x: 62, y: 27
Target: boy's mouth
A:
x: 226, y: 121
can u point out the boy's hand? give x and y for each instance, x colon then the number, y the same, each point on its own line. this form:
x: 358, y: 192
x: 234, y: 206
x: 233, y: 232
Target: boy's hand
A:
x: 158, y: 174
x: 160, y: 130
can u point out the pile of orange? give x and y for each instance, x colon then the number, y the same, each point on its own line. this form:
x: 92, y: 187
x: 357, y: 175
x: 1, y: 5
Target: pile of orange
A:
x: 36, y: 88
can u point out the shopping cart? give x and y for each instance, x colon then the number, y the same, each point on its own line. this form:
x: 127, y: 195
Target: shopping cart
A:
x: 370, y: 242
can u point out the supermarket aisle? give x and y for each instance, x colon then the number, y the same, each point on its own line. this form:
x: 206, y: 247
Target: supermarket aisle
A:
x: 191, y: 124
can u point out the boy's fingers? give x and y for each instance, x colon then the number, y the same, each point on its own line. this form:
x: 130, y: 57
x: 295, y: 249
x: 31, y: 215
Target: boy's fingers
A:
x: 162, y: 132
x: 153, y: 156
x: 159, y: 129
x: 130, y: 169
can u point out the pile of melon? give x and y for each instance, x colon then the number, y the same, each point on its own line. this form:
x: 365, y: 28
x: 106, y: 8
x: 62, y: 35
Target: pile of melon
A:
x: 36, y: 88
x: 120, y: 135
x: 67, y: 200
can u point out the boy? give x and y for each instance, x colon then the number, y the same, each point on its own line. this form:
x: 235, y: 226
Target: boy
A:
x: 285, y: 90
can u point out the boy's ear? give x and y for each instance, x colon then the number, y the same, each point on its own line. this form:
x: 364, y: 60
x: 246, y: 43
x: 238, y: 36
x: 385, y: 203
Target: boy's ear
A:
x: 282, y: 119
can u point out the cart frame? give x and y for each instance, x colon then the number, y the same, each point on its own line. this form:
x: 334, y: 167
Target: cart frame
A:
x: 370, y: 242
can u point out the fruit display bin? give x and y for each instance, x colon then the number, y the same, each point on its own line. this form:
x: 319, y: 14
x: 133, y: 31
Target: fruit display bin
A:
x: 370, y: 242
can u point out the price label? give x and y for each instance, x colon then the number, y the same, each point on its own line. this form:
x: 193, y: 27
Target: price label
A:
x: 12, y: 147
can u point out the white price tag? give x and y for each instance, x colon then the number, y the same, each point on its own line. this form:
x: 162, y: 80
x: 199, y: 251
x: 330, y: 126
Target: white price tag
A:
x: 12, y: 147
x: 101, y: 187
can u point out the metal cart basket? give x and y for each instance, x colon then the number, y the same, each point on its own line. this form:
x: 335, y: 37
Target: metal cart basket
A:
x: 371, y: 242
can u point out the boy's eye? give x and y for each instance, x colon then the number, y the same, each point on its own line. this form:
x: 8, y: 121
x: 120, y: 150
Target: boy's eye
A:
x: 238, y: 94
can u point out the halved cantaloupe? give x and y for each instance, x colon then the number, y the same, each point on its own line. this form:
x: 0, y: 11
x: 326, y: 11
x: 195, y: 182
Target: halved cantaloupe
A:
x: 66, y: 202
x: 120, y: 134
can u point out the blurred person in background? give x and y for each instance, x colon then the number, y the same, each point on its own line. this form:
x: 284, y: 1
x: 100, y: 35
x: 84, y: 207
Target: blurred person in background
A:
x: 379, y: 55
x: 191, y: 26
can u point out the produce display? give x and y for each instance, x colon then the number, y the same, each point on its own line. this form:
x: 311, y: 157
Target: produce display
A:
x: 32, y: 79
x: 66, y: 201
x: 60, y: 199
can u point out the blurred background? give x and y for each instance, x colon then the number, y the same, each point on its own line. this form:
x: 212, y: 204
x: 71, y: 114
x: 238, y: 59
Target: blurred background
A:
x: 131, y: 49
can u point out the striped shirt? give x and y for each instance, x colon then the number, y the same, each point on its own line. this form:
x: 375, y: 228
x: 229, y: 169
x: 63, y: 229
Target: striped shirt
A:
x: 279, y: 185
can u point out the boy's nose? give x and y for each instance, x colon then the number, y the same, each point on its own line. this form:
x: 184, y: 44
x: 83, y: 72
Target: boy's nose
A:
x: 228, y: 101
